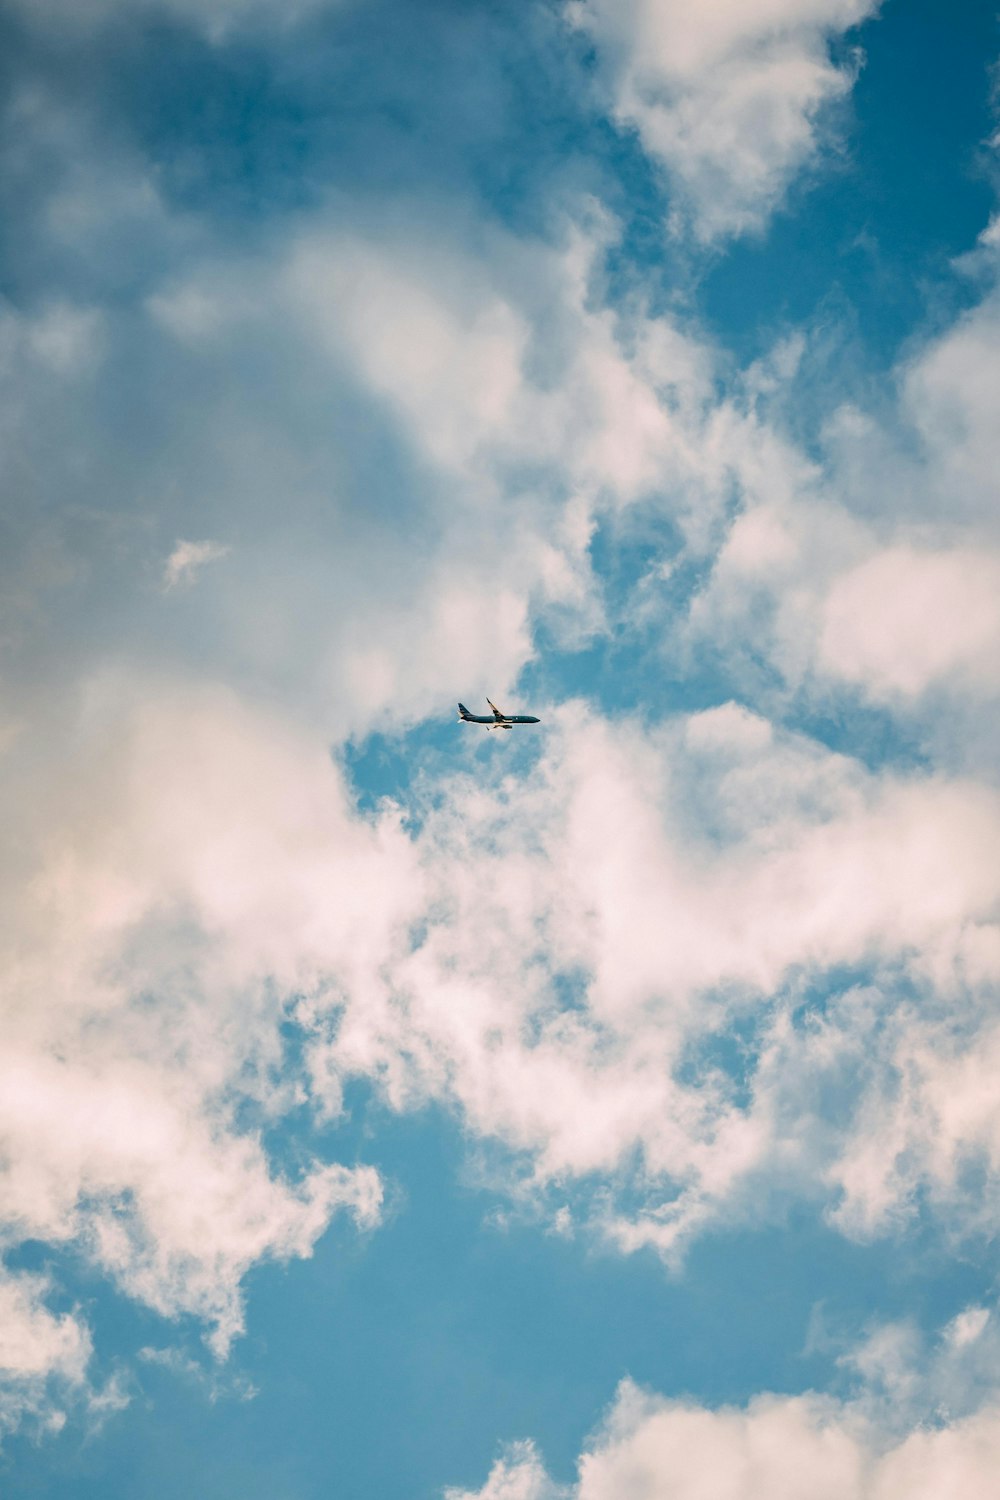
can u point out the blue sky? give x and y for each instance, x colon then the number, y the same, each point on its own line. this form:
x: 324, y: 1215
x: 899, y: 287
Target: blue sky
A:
x: 393, y: 1109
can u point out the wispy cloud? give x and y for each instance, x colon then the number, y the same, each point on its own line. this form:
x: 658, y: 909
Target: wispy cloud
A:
x: 187, y: 560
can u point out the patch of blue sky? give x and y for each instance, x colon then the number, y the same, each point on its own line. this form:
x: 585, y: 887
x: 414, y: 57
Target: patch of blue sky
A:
x: 383, y: 766
x: 868, y: 732
x: 728, y: 1057
x: 872, y: 235
x: 631, y: 664
x: 415, y: 768
x: 627, y: 551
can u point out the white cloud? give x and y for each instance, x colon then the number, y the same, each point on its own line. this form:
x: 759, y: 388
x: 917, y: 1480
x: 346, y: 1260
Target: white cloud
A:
x: 33, y: 1341
x: 947, y: 394
x: 953, y: 1460
x: 59, y: 339
x: 491, y: 356
x: 813, y: 589
x: 907, y: 1378
x: 187, y: 559
x: 789, y: 1449
x: 44, y: 1356
x: 201, y: 865
x: 208, y: 857
x: 906, y: 618
x: 728, y: 96
x: 526, y: 410
x: 679, y: 880
x: 497, y: 360
x: 784, y: 1447
x: 444, y: 346
x: 65, y: 339
x: 931, y: 1117
x: 967, y: 1326
x: 518, y: 1475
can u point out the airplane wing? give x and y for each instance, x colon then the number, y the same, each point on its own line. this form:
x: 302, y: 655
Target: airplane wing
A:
x: 498, y: 714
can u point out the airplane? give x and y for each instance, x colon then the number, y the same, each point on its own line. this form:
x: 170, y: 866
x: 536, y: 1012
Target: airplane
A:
x: 499, y: 720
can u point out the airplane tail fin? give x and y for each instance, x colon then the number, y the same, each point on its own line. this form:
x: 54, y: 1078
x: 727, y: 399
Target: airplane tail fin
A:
x: 463, y: 712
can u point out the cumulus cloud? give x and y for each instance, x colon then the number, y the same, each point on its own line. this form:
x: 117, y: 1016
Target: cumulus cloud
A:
x: 527, y: 410
x: 492, y: 357
x: 205, y: 865
x: 441, y: 345
x: 728, y: 96
x: 930, y: 1121
x: 738, y: 869
x: 202, y: 876
x: 831, y: 603
x: 877, y: 574
x: 946, y: 395
x: 788, y: 1447
x: 209, y: 858
x: 415, y: 432
x: 155, y: 918
x: 904, y: 619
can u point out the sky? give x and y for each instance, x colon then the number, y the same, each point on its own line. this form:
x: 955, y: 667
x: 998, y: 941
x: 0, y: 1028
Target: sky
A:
x: 603, y: 1110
